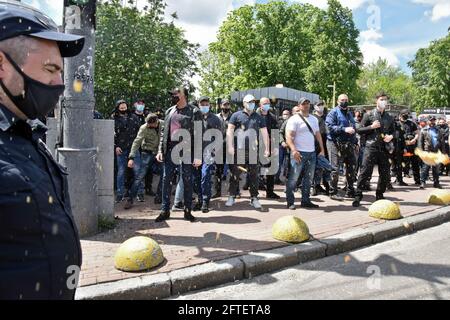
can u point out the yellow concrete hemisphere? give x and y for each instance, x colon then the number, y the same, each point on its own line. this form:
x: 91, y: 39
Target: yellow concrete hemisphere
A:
x: 440, y: 197
x: 138, y: 254
x: 385, y: 209
x: 290, y: 229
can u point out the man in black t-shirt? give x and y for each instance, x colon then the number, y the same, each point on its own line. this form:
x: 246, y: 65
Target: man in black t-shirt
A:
x: 248, y: 125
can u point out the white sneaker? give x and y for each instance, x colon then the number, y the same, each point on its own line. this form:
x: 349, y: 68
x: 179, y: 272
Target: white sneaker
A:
x: 255, y: 203
x: 230, y: 202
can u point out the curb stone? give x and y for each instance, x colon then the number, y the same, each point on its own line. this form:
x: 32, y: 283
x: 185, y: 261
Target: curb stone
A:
x: 206, y: 275
x: 152, y: 287
x: 348, y: 241
x: 431, y: 219
x: 390, y: 230
x: 257, y: 263
x: 309, y: 251
x: 230, y: 270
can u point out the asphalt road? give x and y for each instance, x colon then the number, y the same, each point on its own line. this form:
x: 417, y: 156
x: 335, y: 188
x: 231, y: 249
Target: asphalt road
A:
x: 412, y: 267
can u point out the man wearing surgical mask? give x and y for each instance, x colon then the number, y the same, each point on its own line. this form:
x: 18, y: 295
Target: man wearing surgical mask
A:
x: 284, y: 149
x: 319, y: 113
x: 203, y: 174
x: 271, y: 123
x: 377, y: 127
x: 139, y: 108
x: 248, y: 125
x: 224, y: 116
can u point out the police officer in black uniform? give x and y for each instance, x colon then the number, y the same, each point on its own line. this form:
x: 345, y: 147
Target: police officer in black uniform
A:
x: 378, y: 128
x: 397, y: 156
x: 411, y: 136
x: 40, y: 252
x: 224, y: 116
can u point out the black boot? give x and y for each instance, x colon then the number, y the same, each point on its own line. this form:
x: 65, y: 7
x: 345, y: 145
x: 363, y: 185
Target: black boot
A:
x: 188, y: 215
x: 197, y: 206
x: 379, y: 196
x: 165, y: 215
x: 205, y: 207
x: 218, y: 188
x: 128, y: 204
x: 327, y: 188
x: 357, y: 202
x: 216, y: 195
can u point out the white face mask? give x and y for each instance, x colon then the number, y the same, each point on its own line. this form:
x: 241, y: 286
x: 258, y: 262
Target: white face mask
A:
x: 382, y: 104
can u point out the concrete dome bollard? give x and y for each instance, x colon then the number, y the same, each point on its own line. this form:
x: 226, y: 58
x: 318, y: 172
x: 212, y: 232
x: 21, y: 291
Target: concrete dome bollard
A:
x: 385, y: 209
x: 439, y: 197
x: 138, y: 254
x: 290, y: 229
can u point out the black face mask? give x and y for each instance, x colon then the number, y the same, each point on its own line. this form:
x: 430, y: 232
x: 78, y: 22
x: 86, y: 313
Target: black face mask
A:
x: 405, y: 118
x: 175, y: 100
x: 226, y: 111
x: 38, y: 98
x: 344, y: 105
x: 123, y: 112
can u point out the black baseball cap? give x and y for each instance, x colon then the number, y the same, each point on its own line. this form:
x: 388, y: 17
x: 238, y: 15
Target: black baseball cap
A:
x: 18, y: 19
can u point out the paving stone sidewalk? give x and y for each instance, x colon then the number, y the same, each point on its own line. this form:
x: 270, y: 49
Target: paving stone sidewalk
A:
x: 226, y: 232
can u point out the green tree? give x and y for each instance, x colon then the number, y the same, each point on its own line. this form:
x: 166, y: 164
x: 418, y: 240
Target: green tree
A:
x: 336, y: 54
x: 298, y: 45
x: 138, y: 54
x: 431, y: 75
x: 380, y: 76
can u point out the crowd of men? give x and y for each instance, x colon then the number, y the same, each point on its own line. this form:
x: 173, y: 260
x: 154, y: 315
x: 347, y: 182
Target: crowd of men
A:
x: 313, y: 148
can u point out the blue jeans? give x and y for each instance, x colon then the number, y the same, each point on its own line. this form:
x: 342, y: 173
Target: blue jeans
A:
x: 122, y: 164
x: 283, y: 153
x: 202, y: 184
x: 323, y: 170
x: 148, y: 159
x: 186, y: 176
x: 308, y: 165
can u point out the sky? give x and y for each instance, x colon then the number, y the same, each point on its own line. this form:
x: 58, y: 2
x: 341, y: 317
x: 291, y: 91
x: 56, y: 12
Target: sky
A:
x: 393, y: 30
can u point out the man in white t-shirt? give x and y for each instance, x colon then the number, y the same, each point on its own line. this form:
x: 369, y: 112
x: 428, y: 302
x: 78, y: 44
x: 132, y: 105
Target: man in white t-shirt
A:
x: 301, y: 141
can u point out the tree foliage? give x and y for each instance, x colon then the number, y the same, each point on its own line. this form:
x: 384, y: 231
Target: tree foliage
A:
x: 380, y: 76
x: 298, y: 45
x: 138, y: 54
x: 431, y: 75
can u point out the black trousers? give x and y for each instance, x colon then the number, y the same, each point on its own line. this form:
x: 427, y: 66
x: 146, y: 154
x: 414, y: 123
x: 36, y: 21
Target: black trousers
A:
x: 397, y: 166
x: 373, y: 156
x: 413, y: 163
x: 217, y: 177
x: 337, y: 157
x: 253, y: 177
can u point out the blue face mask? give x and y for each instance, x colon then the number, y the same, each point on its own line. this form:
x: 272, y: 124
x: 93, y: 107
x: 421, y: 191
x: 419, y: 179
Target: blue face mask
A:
x: 140, y: 108
x: 266, y: 107
x: 204, y: 109
x: 251, y: 106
